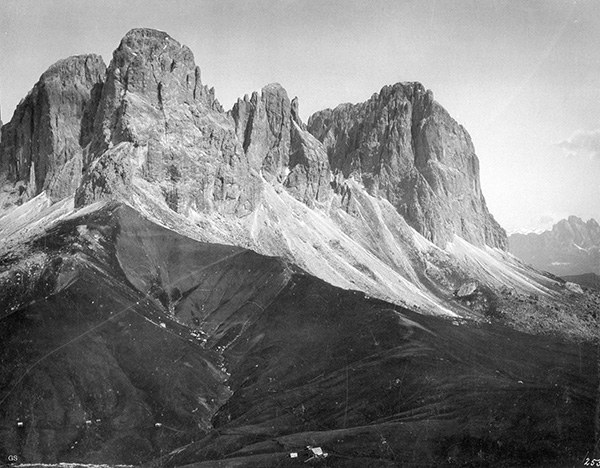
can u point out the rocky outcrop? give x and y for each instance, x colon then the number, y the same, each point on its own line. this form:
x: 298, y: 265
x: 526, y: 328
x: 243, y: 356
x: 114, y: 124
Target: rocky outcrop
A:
x: 309, y: 177
x: 157, y: 138
x: 403, y: 146
x: 262, y: 124
x: 158, y: 124
x: 571, y: 247
x: 148, y: 124
x: 43, y: 146
x: 277, y: 144
x: 466, y: 289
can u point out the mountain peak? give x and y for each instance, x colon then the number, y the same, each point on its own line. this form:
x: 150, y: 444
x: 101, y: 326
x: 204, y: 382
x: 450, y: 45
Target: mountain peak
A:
x: 154, y: 45
x: 574, y: 220
x: 148, y: 33
x: 274, y: 88
x: 404, y: 147
x: 159, y: 124
x: 410, y: 88
x: 73, y: 66
x: 592, y: 223
x: 43, y: 146
x: 147, y: 57
x: 400, y: 144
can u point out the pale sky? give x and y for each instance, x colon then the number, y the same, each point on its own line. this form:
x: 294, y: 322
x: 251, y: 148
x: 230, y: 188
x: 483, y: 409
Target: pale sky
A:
x: 522, y: 76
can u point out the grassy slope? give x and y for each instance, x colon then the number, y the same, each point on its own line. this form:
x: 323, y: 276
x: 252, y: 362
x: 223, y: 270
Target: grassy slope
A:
x: 284, y: 359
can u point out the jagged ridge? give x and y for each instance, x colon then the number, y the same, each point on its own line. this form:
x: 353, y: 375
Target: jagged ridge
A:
x: 402, y: 145
x: 160, y: 141
x: 43, y: 146
x: 156, y: 122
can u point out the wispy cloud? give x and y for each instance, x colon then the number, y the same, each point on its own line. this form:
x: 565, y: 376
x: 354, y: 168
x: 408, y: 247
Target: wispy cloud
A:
x: 582, y: 142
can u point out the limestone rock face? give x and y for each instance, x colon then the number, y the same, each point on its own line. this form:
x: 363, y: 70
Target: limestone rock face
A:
x: 157, y: 123
x: 43, y: 146
x: 276, y: 143
x: 403, y: 146
x: 309, y: 179
x: 263, y: 126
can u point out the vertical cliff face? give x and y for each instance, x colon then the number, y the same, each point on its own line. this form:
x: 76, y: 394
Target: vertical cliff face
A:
x: 278, y: 145
x: 309, y: 177
x: 158, y: 124
x: 263, y: 126
x: 150, y: 133
x: 43, y: 146
x: 403, y: 146
x: 149, y: 123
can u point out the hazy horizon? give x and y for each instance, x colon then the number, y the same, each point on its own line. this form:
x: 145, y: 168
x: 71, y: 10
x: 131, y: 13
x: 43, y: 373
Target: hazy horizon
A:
x: 523, y: 78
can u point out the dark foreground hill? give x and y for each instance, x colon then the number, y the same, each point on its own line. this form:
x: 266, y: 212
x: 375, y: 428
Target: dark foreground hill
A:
x: 124, y: 342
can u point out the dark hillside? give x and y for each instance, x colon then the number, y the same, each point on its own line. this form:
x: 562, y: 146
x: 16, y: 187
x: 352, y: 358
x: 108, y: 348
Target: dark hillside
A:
x: 128, y: 341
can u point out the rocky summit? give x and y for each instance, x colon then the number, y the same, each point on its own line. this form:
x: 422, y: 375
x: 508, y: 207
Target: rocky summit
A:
x: 403, y: 146
x: 150, y: 123
x: 158, y: 126
x: 44, y: 146
x: 151, y: 134
x: 278, y: 145
x: 182, y: 285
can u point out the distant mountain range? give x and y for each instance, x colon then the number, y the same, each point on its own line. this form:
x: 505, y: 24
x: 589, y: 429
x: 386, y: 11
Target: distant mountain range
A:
x: 571, y: 247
